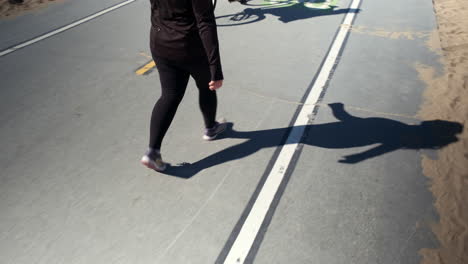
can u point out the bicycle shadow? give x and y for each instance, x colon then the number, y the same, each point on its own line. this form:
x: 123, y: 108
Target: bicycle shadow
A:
x: 350, y: 131
x: 285, y: 13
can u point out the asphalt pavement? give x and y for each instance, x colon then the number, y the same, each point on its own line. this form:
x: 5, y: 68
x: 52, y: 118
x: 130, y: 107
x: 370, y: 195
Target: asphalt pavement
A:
x: 74, y: 120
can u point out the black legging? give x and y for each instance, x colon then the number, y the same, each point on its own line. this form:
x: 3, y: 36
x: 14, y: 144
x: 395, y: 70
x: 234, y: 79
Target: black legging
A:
x: 174, y: 77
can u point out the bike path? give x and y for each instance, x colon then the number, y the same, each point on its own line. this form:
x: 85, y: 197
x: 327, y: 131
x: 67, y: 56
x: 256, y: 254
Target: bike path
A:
x: 349, y: 200
x: 74, y: 129
x: 74, y: 119
x: 34, y: 23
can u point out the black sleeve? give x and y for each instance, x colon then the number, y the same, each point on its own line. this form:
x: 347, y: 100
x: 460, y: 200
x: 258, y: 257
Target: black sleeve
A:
x: 204, y: 15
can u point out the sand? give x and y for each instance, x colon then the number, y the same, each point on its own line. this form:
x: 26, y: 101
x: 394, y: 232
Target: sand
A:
x: 8, y: 10
x: 446, y: 98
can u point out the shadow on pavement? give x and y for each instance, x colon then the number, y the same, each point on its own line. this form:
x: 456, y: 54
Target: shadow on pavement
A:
x: 350, y: 131
x: 285, y: 14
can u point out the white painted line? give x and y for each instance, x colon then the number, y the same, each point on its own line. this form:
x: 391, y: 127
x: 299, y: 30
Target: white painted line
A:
x: 254, y: 220
x: 57, y: 31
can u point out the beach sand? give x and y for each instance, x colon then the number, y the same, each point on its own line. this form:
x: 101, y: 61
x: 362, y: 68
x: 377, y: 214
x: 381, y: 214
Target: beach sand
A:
x: 8, y: 10
x: 446, y: 98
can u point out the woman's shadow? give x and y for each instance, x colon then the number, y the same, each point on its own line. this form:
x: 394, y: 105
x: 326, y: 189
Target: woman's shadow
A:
x: 350, y: 131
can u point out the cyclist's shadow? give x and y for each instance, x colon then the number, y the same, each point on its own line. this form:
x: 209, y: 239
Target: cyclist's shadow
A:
x: 350, y: 131
x: 285, y: 14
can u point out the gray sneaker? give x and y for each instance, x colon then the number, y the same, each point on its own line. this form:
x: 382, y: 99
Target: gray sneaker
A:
x: 212, y: 133
x: 153, y: 160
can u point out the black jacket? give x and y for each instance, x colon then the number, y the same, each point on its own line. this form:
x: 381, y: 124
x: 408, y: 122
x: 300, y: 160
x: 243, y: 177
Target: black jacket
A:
x: 185, y: 30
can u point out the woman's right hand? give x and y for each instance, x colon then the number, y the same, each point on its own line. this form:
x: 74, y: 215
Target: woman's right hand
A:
x: 214, y: 85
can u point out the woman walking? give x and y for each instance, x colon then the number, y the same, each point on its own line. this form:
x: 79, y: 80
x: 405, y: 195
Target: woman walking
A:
x: 184, y: 43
